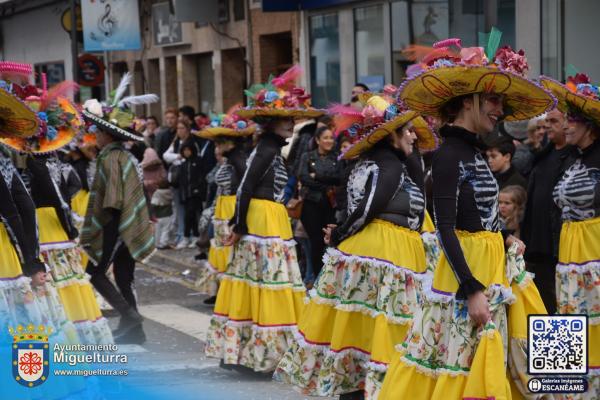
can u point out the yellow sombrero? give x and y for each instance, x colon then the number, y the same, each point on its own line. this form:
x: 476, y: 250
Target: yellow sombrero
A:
x: 17, y: 120
x: 227, y: 125
x: 430, y: 90
x: 377, y: 120
x: 62, y: 126
x: 279, y: 97
x: 578, y: 95
x: 450, y: 71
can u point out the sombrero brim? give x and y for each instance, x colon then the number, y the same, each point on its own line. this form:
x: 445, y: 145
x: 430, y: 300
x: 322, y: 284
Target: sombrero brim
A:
x: 588, y: 106
x: 111, y: 129
x: 378, y: 133
x: 427, y: 140
x: 43, y: 145
x: 17, y: 120
x: 250, y: 113
x: 428, y: 91
x: 215, y: 132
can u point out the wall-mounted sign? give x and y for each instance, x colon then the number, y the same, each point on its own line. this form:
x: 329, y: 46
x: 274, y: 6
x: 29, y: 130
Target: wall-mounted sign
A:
x: 165, y: 27
x: 66, y: 19
x: 110, y: 25
x: 91, y: 70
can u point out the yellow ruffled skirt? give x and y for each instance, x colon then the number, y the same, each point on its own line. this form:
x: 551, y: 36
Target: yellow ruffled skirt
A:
x: 22, y: 305
x: 445, y: 356
x: 70, y: 280
x: 361, y: 307
x: 218, y: 254
x: 578, y: 288
x: 260, y: 298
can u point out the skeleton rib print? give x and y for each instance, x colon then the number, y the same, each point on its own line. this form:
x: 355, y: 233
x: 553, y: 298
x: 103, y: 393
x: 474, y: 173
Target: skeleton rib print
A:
x: 485, y: 188
x: 576, y: 192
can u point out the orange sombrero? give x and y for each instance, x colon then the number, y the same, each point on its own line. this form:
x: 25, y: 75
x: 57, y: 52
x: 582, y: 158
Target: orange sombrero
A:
x: 60, y: 121
x: 577, y: 96
x: 451, y: 71
x: 280, y: 97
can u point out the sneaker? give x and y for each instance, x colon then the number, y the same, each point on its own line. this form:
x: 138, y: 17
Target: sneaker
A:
x: 192, y: 244
x: 183, y: 243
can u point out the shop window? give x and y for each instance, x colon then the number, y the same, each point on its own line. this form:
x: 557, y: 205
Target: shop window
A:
x: 324, y: 59
x: 239, y: 10
x: 206, y: 83
x: 370, y: 47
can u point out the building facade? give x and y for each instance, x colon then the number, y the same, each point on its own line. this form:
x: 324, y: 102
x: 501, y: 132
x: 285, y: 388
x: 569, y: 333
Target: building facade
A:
x: 338, y: 42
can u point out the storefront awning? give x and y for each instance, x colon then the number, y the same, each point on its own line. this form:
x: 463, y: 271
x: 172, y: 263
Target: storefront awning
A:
x: 297, y: 5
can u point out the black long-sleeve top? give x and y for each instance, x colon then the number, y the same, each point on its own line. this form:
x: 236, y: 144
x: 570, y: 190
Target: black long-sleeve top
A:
x: 81, y: 168
x: 327, y: 174
x: 230, y: 174
x: 465, y: 197
x: 17, y: 213
x: 577, y: 194
x: 265, y: 178
x: 48, y: 189
x: 380, y: 187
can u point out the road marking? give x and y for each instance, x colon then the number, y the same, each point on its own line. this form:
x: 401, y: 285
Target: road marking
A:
x: 131, y: 349
x: 190, y: 322
x: 165, y: 367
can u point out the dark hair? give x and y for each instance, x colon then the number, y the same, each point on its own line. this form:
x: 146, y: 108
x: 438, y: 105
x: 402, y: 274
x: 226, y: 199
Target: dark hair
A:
x: 184, y: 123
x: 326, y: 119
x: 449, y: 111
x: 504, y: 147
x: 188, y: 144
x: 319, y: 132
x: 201, y: 114
x: 153, y: 118
x: 188, y: 111
x: 362, y: 85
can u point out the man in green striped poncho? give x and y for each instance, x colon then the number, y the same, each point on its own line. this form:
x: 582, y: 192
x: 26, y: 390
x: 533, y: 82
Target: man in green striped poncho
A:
x: 117, y: 230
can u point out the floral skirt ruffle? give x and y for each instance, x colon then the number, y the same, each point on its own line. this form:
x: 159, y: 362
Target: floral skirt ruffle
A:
x: 444, y: 355
x: 578, y: 289
x: 260, y: 297
x: 218, y: 255
x: 361, y: 307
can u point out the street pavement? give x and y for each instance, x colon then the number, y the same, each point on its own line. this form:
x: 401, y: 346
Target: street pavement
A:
x: 176, y: 322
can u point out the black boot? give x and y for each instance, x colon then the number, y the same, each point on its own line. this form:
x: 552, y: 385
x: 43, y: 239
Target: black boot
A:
x: 358, y: 395
x: 130, y: 320
x: 134, y: 335
x: 210, y: 301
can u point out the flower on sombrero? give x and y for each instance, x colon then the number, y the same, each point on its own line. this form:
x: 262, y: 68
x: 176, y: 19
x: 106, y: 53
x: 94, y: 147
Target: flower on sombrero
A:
x: 377, y: 119
x: 450, y: 71
x: 227, y: 125
x: 59, y: 120
x: 115, y: 115
x: 279, y: 97
x: 578, y: 96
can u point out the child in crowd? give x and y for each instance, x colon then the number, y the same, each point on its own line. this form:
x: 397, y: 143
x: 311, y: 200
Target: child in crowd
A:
x: 512, y: 200
x: 162, y: 209
x: 499, y: 155
x: 192, y: 190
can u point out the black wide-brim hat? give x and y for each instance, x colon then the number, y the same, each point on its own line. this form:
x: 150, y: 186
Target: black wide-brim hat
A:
x: 112, y: 129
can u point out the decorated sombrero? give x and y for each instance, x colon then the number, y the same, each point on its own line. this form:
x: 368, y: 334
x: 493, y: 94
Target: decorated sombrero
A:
x: 577, y: 96
x: 450, y: 71
x: 375, y: 121
x: 279, y: 97
x: 115, y: 116
x: 59, y: 120
x: 227, y: 125
x: 16, y: 118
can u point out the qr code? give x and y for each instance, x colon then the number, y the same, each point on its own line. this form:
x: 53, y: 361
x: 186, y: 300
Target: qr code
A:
x: 557, y: 344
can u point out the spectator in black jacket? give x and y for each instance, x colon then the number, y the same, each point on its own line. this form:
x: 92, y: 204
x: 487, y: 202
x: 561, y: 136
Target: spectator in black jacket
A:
x: 192, y: 191
x: 499, y: 156
x: 319, y: 174
x: 166, y: 134
x: 542, y: 223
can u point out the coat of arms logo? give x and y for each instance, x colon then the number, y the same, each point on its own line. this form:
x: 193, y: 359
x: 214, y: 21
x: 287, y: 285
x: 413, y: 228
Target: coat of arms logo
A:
x: 30, y: 354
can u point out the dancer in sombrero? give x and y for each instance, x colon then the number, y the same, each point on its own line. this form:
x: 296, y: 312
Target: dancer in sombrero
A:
x: 229, y: 132
x: 577, y: 195
x: 60, y: 123
x: 458, y: 345
x: 260, y: 298
x: 116, y: 229
x: 363, y: 300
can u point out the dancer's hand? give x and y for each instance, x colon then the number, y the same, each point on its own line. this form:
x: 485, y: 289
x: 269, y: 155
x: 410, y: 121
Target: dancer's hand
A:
x: 510, y: 240
x: 232, y: 239
x: 479, y: 308
x: 327, y: 231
